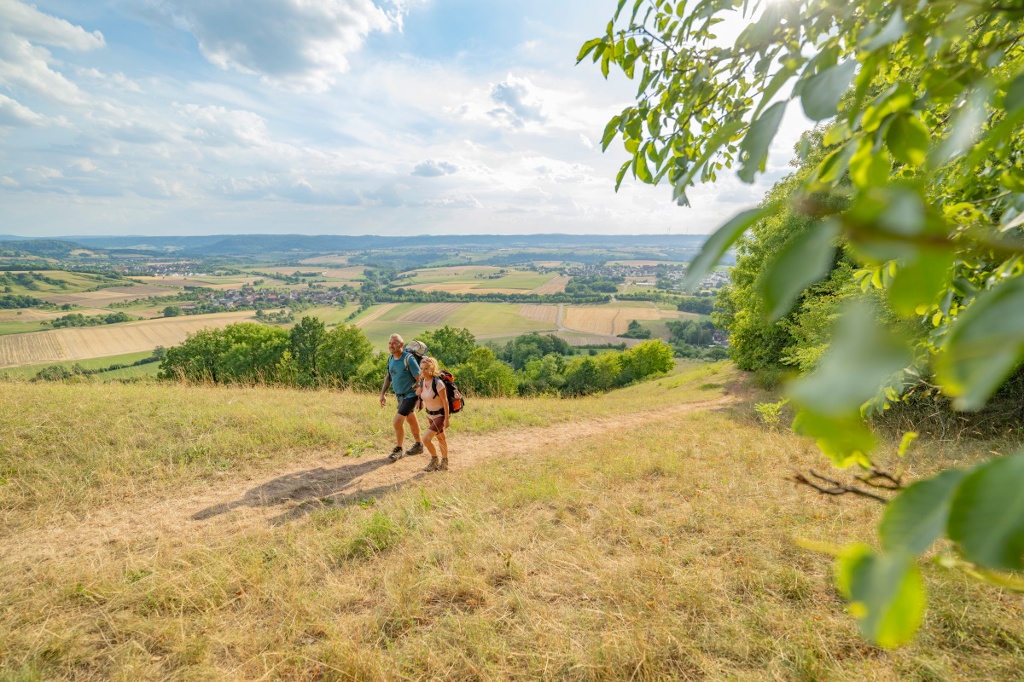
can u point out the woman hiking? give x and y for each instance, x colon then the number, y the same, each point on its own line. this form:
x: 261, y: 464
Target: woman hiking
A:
x: 433, y: 393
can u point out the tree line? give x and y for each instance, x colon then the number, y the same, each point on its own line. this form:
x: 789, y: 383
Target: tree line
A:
x: 310, y: 355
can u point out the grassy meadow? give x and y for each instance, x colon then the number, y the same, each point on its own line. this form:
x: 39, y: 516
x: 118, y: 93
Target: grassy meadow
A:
x: 624, y: 536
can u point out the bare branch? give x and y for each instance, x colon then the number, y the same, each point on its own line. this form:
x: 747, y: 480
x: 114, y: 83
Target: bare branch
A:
x: 837, y: 487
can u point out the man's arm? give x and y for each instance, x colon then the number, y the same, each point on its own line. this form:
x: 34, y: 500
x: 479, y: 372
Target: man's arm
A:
x: 384, y: 389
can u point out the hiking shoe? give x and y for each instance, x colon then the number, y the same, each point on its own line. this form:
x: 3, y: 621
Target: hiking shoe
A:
x: 416, y: 449
x: 396, y: 453
x: 444, y: 465
x: 433, y: 466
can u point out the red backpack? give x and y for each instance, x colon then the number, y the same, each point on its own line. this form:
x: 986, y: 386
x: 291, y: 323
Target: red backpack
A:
x: 455, y: 400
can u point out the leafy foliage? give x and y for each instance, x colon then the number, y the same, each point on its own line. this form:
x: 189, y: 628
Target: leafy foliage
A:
x: 917, y: 183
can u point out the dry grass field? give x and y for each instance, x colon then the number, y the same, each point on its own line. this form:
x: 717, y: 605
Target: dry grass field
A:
x: 555, y: 285
x: 540, y: 313
x: 374, y: 314
x: 194, y: 533
x: 606, y: 320
x: 104, y: 297
x: 432, y: 313
x: 119, y: 339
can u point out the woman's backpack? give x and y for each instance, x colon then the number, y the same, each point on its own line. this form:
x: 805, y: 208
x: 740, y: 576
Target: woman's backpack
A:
x: 455, y: 400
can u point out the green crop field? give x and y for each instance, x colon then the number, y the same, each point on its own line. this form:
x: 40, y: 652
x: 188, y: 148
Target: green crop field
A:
x: 29, y: 371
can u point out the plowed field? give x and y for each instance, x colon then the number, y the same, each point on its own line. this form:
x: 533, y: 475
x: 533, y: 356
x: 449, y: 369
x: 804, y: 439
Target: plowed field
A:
x: 434, y: 313
x: 115, y: 339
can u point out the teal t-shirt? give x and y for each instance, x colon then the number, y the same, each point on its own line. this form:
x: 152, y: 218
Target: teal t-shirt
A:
x: 403, y: 381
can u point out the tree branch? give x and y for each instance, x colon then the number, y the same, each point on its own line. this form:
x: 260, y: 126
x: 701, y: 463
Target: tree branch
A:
x: 837, y: 487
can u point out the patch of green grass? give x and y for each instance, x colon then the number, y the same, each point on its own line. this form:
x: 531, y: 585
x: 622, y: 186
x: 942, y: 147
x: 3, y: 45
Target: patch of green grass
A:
x: 14, y: 327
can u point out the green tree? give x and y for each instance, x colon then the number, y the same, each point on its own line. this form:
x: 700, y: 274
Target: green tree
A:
x: 923, y: 183
x: 172, y: 311
x: 344, y: 350
x: 484, y: 374
x: 646, y: 359
x: 307, y: 339
x: 449, y: 346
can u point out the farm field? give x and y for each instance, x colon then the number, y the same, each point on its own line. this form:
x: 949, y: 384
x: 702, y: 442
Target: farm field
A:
x: 28, y: 371
x: 329, y: 315
x: 484, y: 320
x: 93, y: 342
x: 73, y: 282
x: 346, y: 274
x: 467, y: 278
x: 209, y: 282
x: 105, y: 297
x: 606, y: 320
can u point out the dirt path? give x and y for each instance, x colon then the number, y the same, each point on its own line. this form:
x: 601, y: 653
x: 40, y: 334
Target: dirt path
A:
x: 289, y: 493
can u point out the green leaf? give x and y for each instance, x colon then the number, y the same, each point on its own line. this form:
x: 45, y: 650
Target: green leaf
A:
x: 863, y: 356
x: 643, y: 173
x: 907, y: 139
x: 821, y: 92
x: 803, y: 260
x: 987, y: 514
x: 778, y: 80
x: 845, y: 440
x: 917, y: 517
x: 869, y: 168
x: 886, y: 594
x: 718, y: 243
x: 896, y: 100
x: 610, y: 131
x: 1014, y: 97
x: 835, y: 164
x: 985, y: 343
x: 754, y: 148
x: 921, y: 280
x: 588, y: 48
x: 890, y: 33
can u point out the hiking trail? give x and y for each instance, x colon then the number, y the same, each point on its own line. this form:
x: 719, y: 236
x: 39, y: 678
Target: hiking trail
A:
x: 287, y: 492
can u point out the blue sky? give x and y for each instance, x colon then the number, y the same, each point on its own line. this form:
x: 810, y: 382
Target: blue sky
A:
x: 165, y: 117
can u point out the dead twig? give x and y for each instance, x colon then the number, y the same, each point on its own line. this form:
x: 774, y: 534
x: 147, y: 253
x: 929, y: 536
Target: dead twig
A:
x: 837, y: 487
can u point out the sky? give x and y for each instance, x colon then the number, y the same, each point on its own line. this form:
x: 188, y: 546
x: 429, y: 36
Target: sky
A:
x: 388, y: 117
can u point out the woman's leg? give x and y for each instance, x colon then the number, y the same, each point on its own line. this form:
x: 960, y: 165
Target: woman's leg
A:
x: 428, y: 442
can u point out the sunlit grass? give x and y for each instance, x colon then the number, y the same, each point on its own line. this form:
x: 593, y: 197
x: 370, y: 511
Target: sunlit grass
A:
x: 662, y: 551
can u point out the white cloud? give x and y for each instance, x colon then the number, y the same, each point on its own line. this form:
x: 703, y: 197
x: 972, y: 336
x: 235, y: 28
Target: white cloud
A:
x: 295, y: 44
x: 518, y: 102
x: 18, y: 18
x: 17, y: 115
x: 26, y: 67
x: 432, y: 169
x: 219, y: 126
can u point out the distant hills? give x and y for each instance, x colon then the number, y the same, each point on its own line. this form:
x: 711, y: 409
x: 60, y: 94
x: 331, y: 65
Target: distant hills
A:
x: 304, y: 245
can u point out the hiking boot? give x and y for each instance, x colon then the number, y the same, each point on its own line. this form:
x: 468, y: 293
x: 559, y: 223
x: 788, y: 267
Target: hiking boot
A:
x: 396, y: 453
x: 433, y: 466
x: 444, y: 465
x: 416, y: 449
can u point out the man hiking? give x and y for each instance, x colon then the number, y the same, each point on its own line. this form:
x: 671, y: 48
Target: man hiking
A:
x: 401, y: 377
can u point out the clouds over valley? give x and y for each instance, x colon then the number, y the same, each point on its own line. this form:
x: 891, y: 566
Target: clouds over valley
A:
x: 344, y: 116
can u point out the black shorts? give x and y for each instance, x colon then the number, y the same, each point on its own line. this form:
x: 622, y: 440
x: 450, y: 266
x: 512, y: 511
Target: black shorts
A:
x: 407, y: 405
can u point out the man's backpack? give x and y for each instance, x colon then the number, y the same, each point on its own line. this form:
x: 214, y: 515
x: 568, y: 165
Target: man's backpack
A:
x: 417, y: 349
x: 455, y: 400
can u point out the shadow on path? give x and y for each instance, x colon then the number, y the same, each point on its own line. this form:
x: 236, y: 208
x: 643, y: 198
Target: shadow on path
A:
x: 313, y: 489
